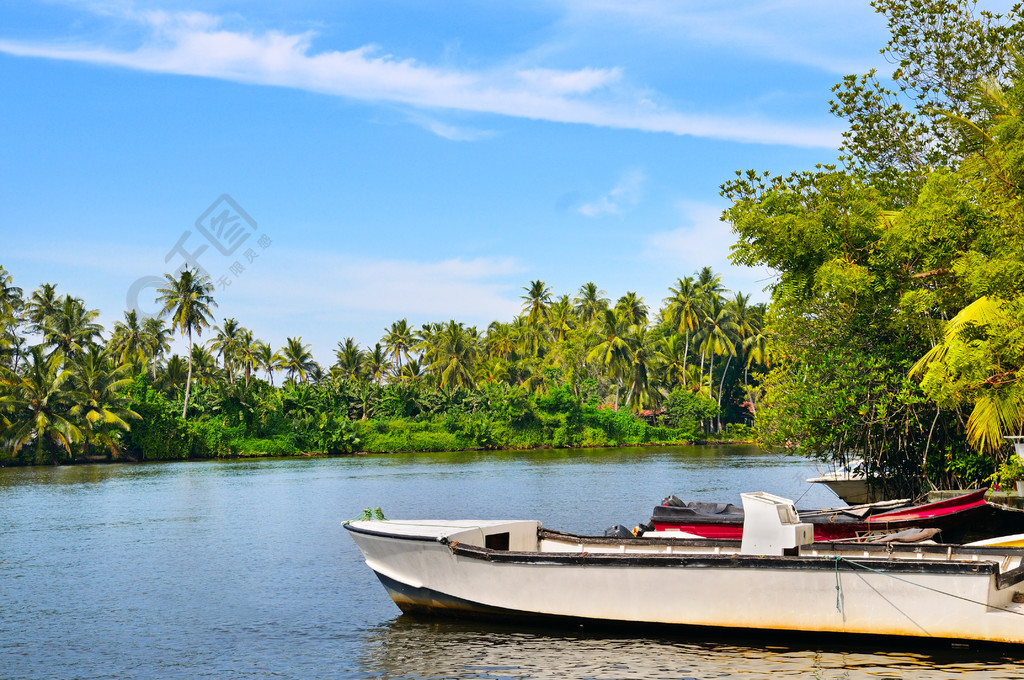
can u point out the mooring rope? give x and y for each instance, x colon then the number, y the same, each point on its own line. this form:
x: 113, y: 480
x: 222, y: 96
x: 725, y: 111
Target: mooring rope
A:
x: 839, y: 558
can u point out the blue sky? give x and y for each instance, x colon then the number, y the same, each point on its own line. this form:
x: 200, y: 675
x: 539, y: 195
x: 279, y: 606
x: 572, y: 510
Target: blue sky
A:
x: 403, y: 159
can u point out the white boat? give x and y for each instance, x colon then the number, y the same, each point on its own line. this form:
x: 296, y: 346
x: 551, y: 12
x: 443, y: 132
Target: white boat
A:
x: 775, y: 578
x: 848, y: 482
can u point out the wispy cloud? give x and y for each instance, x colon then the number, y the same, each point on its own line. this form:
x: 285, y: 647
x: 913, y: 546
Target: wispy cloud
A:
x: 455, y: 133
x: 322, y: 295
x: 199, y: 44
x: 829, y: 31
x: 441, y: 289
x: 702, y: 240
x: 626, y: 193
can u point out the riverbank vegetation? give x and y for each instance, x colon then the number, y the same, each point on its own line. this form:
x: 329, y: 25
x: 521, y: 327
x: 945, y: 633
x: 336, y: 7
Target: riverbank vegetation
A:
x: 896, y: 320
x: 576, y: 370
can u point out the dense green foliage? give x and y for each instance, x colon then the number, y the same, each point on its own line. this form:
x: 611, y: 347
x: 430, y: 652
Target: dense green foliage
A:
x: 896, y: 319
x: 567, y: 372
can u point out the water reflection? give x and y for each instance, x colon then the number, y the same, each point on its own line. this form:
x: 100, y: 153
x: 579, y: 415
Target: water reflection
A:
x: 414, y: 648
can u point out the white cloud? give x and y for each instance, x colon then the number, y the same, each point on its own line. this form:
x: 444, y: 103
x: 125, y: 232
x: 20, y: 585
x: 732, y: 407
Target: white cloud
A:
x: 320, y: 295
x: 705, y: 240
x: 197, y: 44
x: 571, y: 82
x: 625, y: 194
x: 455, y: 133
x: 442, y: 289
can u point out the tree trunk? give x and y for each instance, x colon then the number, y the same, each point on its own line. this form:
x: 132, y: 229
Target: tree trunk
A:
x: 188, y: 381
x: 686, y: 353
x: 721, y: 386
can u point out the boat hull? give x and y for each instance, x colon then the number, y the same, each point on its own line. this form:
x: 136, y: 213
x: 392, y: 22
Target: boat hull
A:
x: 818, y: 591
x: 852, y: 491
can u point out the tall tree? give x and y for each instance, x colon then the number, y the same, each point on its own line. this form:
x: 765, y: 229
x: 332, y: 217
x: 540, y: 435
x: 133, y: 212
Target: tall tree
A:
x: 349, y: 359
x: 941, y: 49
x: 632, y: 309
x: 187, y: 299
x: 590, y: 302
x: 398, y: 341
x: 101, y: 405
x: 71, y: 327
x: 267, y: 359
x: 611, y: 352
x: 41, y: 305
x: 156, y: 340
x: 128, y: 341
x: 296, y: 359
x: 225, y: 344
x: 536, y: 302
x: 40, y: 402
x: 455, y: 355
x: 684, y: 312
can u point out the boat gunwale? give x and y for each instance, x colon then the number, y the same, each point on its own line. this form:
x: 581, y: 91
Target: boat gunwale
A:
x: 732, y: 560
x: 391, y: 534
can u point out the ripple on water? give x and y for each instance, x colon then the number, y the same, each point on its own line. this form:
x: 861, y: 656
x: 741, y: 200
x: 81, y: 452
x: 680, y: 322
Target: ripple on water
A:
x: 241, y: 570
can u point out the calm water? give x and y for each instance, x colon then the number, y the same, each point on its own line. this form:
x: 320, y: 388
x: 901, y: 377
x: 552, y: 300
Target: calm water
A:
x: 241, y: 570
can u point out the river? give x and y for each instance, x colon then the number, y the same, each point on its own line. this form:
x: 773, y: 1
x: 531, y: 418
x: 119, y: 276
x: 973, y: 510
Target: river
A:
x: 240, y: 569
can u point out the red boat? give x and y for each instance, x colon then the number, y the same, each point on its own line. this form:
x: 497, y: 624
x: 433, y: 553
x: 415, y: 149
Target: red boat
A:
x: 723, y: 520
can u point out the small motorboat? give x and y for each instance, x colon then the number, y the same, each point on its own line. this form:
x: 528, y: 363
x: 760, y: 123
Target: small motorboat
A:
x: 774, y: 578
x: 723, y: 520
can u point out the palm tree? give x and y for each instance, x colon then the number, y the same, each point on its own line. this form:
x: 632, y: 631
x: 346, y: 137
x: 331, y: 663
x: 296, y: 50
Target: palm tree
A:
x: 246, y: 353
x: 637, y: 369
x: 611, y: 352
x: 157, y: 340
x: 590, y: 302
x: 377, y: 363
x: 632, y: 309
x: 500, y: 341
x: 174, y: 376
x: 412, y: 372
x: 41, y: 305
x: 187, y: 300
x: 491, y: 370
x: 266, y: 359
x: 684, y: 312
x: 561, y: 318
x: 721, y: 335
x: 101, y: 402
x: 296, y: 359
x: 398, y: 341
x: 71, y: 327
x: 536, y: 302
x: 671, y: 358
x: 10, y: 295
x: 11, y: 304
x: 40, y: 401
x: 456, y: 352
x: 204, y: 365
x: 128, y: 342
x: 531, y: 339
x: 349, y: 359
x: 226, y: 345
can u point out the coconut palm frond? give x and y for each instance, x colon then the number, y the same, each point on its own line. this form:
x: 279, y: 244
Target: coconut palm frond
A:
x: 982, y: 312
x: 995, y: 414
